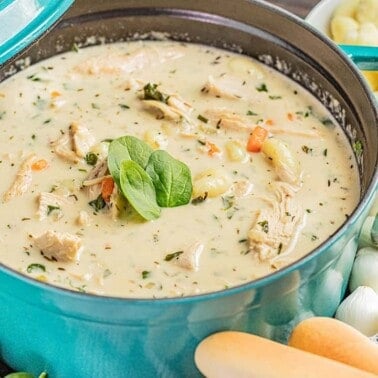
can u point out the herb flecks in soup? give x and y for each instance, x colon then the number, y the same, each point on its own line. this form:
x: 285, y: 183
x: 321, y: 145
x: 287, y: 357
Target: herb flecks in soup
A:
x: 158, y: 169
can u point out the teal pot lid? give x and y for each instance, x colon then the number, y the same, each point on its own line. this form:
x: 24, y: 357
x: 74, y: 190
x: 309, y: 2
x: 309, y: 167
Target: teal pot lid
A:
x: 23, y: 21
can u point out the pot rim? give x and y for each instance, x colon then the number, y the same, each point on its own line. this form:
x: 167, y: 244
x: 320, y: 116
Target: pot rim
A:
x: 371, y: 191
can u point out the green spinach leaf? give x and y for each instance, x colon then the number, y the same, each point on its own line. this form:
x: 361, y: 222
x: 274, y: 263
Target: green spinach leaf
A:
x: 171, y: 178
x: 137, y: 186
x: 97, y: 203
x: 127, y: 148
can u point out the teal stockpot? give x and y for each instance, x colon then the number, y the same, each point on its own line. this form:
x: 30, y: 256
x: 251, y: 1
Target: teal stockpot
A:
x: 72, y: 334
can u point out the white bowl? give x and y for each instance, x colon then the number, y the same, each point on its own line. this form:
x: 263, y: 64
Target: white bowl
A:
x: 320, y: 18
x: 320, y: 15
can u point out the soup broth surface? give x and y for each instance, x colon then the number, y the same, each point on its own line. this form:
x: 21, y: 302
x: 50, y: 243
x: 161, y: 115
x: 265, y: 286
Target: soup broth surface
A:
x: 272, y: 173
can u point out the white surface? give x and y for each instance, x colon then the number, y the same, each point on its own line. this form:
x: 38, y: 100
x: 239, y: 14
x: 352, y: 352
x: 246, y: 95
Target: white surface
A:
x: 321, y: 14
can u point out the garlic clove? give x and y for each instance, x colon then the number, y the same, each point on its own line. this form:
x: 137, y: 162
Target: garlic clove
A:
x: 360, y: 310
x: 365, y: 269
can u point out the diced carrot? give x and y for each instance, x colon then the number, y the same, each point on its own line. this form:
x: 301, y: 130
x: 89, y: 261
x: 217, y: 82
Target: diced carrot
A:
x: 269, y: 122
x: 39, y: 165
x: 107, y: 186
x: 212, y: 148
x: 290, y: 116
x: 256, y: 139
x: 55, y: 94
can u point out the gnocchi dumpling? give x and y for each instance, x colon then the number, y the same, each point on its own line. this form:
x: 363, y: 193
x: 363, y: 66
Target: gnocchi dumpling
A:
x: 368, y: 35
x: 347, y: 8
x: 367, y: 11
x: 283, y: 160
x: 344, y: 29
x: 356, y: 22
x: 211, y: 183
x: 236, y: 151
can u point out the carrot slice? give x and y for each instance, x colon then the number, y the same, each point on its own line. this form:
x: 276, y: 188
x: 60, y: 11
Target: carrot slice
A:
x: 213, y: 149
x: 290, y: 116
x: 269, y: 122
x: 107, y: 186
x: 55, y: 94
x: 256, y: 139
x: 39, y: 165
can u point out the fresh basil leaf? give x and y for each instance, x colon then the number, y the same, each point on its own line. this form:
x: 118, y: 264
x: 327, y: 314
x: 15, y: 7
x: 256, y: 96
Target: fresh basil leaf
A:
x: 171, y: 178
x: 127, y: 148
x: 137, y: 186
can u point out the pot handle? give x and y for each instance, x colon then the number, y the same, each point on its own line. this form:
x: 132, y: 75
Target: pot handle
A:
x: 365, y: 57
x: 23, y: 21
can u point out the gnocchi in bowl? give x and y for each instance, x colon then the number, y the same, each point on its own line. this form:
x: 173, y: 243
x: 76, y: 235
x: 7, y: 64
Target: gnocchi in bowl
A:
x: 350, y: 22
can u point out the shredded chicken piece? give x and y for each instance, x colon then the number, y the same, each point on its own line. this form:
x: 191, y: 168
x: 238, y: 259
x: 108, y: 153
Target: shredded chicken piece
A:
x: 82, y: 139
x: 63, y: 148
x: 73, y: 145
x: 116, y: 203
x: 22, y: 180
x: 189, y: 259
x: 58, y: 246
x: 226, y: 119
x: 163, y: 110
x: 178, y: 103
x: 46, y: 200
x: 127, y: 63
x: 95, y: 181
x: 83, y: 219
x: 226, y: 86
x: 92, y: 183
x: 174, y: 109
x: 287, y: 174
x: 277, y: 227
x: 293, y: 131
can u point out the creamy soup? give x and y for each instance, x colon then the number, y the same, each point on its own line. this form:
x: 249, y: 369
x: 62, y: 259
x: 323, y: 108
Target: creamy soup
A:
x: 159, y: 169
